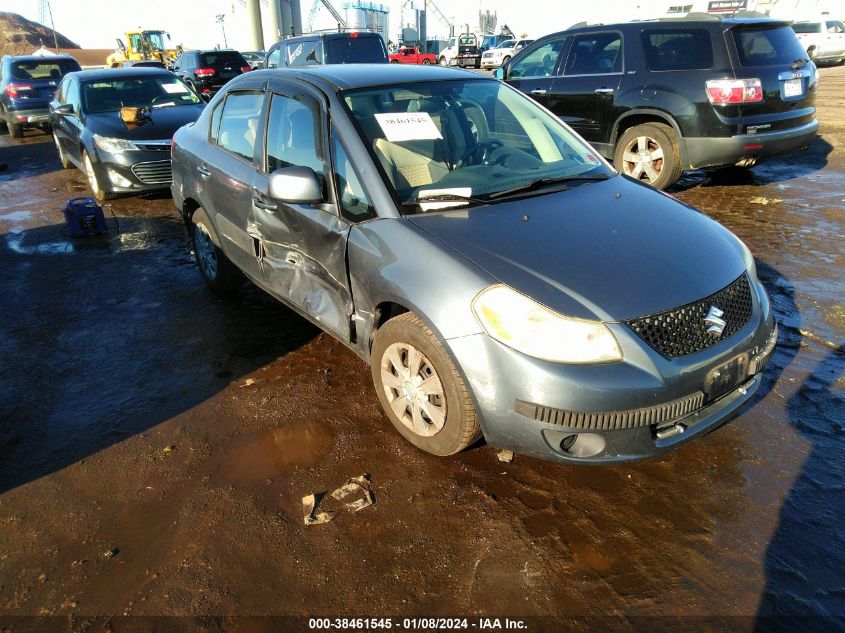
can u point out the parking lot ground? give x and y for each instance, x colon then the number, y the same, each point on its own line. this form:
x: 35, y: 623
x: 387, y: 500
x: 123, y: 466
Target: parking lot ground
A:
x: 156, y: 441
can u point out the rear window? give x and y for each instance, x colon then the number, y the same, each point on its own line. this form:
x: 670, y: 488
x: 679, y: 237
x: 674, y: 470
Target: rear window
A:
x: 53, y: 70
x: 223, y: 58
x: 768, y: 46
x: 353, y: 50
x: 678, y: 49
x: 807, y: 27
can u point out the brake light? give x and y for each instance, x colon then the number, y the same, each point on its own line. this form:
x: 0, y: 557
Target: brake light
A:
x: 731, y: 91
x: 14, y: 90
x: 353, y: 35
x: 205, y: 72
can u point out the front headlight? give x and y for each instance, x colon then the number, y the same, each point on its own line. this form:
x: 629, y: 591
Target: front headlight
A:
x: 113, y: 145
x: 535, y: 330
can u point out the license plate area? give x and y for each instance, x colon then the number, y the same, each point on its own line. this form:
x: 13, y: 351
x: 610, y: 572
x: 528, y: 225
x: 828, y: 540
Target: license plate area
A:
x: 793, y: 88
x: 725, y: 378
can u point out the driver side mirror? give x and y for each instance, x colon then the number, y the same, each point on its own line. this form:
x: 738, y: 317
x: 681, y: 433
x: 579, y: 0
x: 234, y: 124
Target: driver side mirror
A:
x: 66, y: 109
x: 295, y: 185
x: 500, y: 73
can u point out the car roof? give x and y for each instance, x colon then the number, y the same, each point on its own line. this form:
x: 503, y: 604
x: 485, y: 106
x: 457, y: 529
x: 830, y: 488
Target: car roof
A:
x: 117, y: 73
x: 331, y: 34
x: 35, y: 58
x: 212, y: 50
x: 689, y: 20
x: 349, y: 76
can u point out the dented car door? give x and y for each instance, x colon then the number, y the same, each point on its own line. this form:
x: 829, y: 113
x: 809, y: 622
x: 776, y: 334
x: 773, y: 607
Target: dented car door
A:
x: 302, y: 246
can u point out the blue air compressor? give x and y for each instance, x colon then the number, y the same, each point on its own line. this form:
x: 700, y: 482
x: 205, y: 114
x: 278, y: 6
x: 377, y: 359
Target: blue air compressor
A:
x: 84, y: 217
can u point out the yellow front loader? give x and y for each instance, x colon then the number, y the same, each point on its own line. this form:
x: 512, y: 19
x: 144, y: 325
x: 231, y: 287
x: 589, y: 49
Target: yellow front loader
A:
x: 144, y: 44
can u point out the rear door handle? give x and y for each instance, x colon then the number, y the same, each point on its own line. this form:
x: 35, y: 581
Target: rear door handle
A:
x: 604, y: 91
x: 539, y: 91
x: 263, y: 205
x: 203, y: 171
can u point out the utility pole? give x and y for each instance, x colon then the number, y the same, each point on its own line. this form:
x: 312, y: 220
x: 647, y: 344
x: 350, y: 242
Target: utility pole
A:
x: 220, y: 18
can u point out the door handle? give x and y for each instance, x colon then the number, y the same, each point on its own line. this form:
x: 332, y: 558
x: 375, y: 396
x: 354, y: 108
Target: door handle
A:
x: 604, y: 91
x: 263, y: 205
x: 539, y: 91
x: 203, y: 171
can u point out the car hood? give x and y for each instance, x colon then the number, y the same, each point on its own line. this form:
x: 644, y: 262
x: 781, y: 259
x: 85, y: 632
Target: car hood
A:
x: 611, y: 250
x: 162, y: 123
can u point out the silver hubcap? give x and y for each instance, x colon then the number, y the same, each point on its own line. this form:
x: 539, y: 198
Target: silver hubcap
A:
x: 413, y: 389
x: 206, y: 254
x: 92, y: 177
x: 643, y: 159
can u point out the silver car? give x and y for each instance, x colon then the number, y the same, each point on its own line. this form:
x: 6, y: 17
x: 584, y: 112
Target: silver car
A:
x: 499, y: 277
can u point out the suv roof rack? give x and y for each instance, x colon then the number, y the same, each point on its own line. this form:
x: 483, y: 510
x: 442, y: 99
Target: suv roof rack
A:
x: 337, y: 29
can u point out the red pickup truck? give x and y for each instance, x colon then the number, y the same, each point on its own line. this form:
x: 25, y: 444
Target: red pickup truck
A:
x: 409, y: 55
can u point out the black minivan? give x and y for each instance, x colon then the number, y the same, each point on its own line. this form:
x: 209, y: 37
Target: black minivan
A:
x: 335, y: 47
x: 658, y: 97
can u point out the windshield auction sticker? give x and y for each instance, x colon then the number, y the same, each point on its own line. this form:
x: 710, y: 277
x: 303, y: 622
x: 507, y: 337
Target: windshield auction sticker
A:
x: 408, y: 126
x: 175, y: 89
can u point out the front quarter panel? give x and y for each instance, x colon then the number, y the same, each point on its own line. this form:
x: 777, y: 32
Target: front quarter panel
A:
x: 392, y: 260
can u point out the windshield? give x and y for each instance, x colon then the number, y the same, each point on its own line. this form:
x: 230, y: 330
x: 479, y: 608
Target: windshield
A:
x: 469, y: 138
x: 156, y: 40
x: 140, y: 92
x: 507, y: 44
x: 43, y: 69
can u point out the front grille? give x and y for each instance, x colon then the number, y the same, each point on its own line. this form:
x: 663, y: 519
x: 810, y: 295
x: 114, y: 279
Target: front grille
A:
x: 613, y: 420
x: 682, y: 331
x: 153, y: 173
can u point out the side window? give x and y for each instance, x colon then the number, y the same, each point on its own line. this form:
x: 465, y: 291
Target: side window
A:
x: 302, y: 53
x: 294, y: 135
x: 541, y: 62
x: 273, y: 58
x: 595, y: 54
x: 60, y: 91
x: 354, y: 203
x: 835, y: 26
x: 678, y: 49
x: 213, y: 132
x: 239, y: 119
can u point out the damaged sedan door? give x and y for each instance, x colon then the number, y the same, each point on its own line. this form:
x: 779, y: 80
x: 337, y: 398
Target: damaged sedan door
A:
x: 301, y: 246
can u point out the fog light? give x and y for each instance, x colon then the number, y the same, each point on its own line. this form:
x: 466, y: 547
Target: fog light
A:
x: 117, y: 180
x: 582, y: 444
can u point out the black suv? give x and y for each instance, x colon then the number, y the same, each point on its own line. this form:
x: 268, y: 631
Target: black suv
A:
x: 208, y: 71
x: 335, y: 47
x: 659, y: 97
x: 27, y: 84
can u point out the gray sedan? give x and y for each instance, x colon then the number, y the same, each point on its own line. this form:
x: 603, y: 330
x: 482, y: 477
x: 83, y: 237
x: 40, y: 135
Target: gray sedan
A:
x: 499, y: 277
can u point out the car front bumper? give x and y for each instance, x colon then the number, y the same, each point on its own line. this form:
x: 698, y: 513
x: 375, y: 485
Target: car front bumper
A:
x: 716, y: 151
x: 642, y: 406
x: 133, y: 171
x: 491, y: 63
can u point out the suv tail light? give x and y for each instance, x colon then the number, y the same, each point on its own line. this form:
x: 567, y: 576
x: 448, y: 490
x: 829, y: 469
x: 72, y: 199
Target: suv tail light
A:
x: 245, y: 69
x: 205, y: 72
x: 14, y: 90
x: 731, y: 91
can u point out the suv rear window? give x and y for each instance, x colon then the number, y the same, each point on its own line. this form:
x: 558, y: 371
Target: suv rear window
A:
x: 807, y: 27
x: 53, y: 70
x: 678, y: 49
x: 222, y: 58
x: 768, y: 46
x: 353, y: 50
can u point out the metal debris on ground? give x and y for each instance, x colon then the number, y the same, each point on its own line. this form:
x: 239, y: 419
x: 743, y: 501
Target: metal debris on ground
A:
x: 505, y: 456
x: 311, y: 503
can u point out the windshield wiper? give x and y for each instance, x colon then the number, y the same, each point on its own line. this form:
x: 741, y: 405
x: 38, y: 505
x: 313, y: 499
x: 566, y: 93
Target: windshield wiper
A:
x: 544, y: 182
x: 443, y: 197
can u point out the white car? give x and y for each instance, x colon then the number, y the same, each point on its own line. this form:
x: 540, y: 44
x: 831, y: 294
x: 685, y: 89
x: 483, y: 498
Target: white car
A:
x: 495, y: 57
x: 824, y: 40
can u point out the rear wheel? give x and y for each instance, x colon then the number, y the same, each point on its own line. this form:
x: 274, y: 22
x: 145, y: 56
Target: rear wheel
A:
x: 420, y: 389
x: 15, y: 128
x: 649, y: 153
x: 506, y: 59
x: 394, y: 61
x: 426, y: 62
x: 220, y: 274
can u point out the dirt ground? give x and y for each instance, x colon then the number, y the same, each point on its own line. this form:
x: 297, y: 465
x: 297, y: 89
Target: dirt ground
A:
x: 156, y: 442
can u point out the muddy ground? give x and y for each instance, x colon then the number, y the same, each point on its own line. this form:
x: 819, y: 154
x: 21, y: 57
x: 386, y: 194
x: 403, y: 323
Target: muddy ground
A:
x: 156, y: 441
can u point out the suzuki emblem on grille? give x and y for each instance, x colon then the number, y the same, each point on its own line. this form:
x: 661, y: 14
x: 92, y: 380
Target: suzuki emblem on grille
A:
x: 715, y: 322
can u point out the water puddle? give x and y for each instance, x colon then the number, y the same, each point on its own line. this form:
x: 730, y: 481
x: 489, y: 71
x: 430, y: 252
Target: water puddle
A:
x: 268, y: 454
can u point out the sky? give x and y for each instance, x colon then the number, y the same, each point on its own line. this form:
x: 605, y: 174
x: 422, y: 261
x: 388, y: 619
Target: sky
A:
x: 96, y: 24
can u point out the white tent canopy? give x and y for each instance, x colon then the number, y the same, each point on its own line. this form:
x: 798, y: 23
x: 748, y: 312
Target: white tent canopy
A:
x: 43, y: 52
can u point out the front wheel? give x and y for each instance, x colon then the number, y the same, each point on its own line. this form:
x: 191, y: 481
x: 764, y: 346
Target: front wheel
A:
x: 393, y: 61
x: 420, y: 389
x: 63, y: 159
x: 220, y: 274
x: 94, y: 180
x: 506, y: 60
x: 649, y: 153
x: 443, y: 61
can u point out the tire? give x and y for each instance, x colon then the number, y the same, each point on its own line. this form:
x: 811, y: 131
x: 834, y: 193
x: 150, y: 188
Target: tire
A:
x: 393, y: 61
x: 649, y: 153
x: 426, y: 62
x: 220, y: 274
x: 94, y: 180
x: 447, y: 423
x: 15, y: 128
x: 63, y: 159
x: 442, y: 61
x: 506, y: 60
x: 811, y: 53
